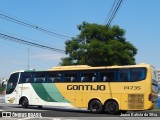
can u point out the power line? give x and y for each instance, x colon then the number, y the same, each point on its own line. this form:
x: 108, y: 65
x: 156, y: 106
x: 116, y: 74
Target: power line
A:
x: 110, y: 12
x: 18, y: 40
x: 29, y: 39
x: 11, y: 19
x: 114, y: 9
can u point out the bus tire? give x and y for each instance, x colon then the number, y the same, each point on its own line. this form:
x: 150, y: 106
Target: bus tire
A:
x: 111, y: 107
x: 25, y: 103
x: 95, y: 106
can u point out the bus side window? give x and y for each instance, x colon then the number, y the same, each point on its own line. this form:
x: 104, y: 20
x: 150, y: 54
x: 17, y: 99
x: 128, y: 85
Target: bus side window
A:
x: 134, y: 76
x: 137, y: 74
x: 104, y: 78
x: 108, y: 75
x: 88, y: 76
x: 83, y: 79
x: 93, y: 79
x: 28, y: 80
x: 39, y: 80
x: 51, y: 80
x: 58, y: 77
x: 54, y: 77
x: 73, y: 79
x: 123, y: 75
x: 70, y: 76
x: 25, y: 78
x: 143, y: 74
x: 35, y: 80
x: 39, y: 77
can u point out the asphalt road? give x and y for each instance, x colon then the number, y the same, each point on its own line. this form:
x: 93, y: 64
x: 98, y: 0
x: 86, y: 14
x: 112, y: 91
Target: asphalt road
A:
x: 52, y: 113
x: 1, y: 98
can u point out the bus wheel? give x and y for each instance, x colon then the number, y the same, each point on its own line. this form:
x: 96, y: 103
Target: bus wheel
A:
x: 95, y: 106
x: 111, y: 107
x: 25, y: 103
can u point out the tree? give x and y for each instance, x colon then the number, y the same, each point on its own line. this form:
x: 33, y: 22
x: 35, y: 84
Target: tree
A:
x: 99, y: 45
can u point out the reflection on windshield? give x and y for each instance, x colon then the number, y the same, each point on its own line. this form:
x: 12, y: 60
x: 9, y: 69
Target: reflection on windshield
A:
x: 12, y: 82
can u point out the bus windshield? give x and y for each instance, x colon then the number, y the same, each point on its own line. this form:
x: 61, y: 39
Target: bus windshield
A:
x: 12, y: 82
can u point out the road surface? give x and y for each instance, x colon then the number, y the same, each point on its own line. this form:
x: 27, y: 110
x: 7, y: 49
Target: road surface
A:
x: 53, y: 113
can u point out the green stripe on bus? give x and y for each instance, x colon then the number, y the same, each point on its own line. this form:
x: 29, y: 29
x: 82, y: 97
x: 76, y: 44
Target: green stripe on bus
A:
x: 54, y: 92
x: 42, y: 93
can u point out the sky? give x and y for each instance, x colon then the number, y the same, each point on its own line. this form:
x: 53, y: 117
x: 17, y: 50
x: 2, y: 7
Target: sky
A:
x: 139, y: 18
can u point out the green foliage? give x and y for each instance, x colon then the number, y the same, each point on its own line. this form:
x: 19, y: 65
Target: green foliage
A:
x: 99, y: 45
x: 2, y: 89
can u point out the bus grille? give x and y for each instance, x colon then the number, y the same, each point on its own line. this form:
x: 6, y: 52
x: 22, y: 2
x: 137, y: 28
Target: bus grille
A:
x: 135, y: 101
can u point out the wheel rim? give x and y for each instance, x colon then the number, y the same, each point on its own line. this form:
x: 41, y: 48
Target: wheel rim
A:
x: 112, y: 107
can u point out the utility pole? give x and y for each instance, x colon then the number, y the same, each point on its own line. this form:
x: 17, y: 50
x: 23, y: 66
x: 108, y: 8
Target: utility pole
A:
x: 85, y: 41
x: 28, y: 60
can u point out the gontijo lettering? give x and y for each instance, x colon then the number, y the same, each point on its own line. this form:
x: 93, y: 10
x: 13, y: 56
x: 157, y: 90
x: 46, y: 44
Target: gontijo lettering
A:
x: 86, y: 87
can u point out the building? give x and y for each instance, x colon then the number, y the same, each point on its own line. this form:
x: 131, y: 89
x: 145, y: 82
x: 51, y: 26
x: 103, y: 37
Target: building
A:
x: 158, y: 79
x: 158, y: 75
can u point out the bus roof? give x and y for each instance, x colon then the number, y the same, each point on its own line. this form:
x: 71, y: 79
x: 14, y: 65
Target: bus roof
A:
x: 84, y: 67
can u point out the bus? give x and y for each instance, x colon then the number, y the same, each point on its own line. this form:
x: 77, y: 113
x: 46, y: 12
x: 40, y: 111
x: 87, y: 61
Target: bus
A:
x: 112, y: 89
x: 3, y: 83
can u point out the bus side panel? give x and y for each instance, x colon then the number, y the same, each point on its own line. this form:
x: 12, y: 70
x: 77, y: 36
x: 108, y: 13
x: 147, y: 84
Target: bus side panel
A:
x: 124, y: 102
x: 29, y: 92
x: 79, y: 95
x: 48, y: 94
x: 128, y: 94
x: 11, y: 98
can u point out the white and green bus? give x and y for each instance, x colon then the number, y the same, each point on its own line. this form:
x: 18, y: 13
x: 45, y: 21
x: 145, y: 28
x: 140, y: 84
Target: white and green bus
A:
x: 109, y: 88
